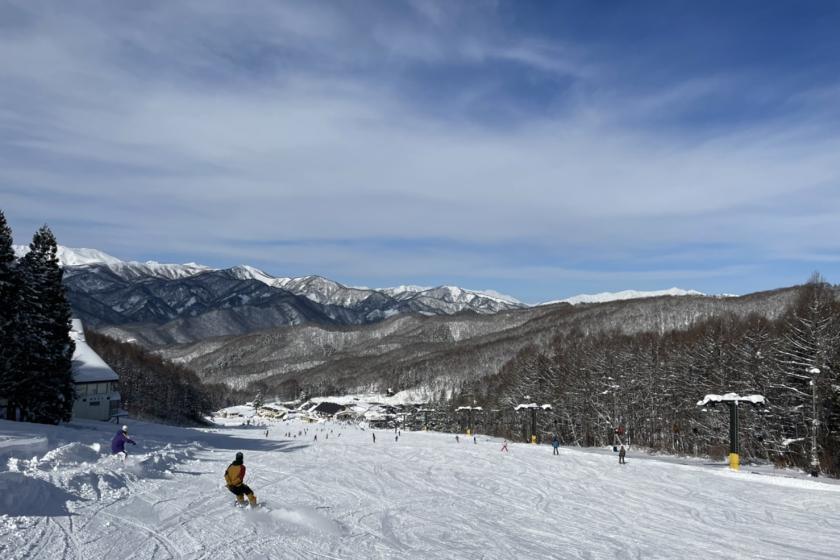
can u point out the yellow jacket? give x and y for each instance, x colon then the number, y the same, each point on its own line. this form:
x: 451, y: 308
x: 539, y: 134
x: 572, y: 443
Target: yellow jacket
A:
x: 235, y: 474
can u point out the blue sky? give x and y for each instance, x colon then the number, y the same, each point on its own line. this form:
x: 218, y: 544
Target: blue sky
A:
x: 541, y: 149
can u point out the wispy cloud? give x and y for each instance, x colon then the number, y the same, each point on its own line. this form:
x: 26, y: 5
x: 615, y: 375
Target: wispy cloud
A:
x: 193, y: 123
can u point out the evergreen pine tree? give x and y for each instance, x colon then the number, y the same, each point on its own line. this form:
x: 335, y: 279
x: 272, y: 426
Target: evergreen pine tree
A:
x: 47, y: 347
x: 9, y: 346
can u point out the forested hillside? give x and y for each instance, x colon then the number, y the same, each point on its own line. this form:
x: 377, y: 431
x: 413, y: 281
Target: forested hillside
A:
x: 648, y: 383
x: 153, y: 388
x: 437, y: 354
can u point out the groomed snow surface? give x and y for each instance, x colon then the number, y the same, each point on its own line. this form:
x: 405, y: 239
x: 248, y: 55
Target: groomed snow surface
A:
x: 424, y: 496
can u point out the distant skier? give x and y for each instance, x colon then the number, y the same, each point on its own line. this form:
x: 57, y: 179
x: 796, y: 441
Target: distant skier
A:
x: 374, y: 437
x: 475, y: 440
x: 504, y: 447
x: 119, y: 441
x: 457, y: 439
x: 235, y: 480
x: 621, y: 453
x: 555, y: 443
x: 266, y: 433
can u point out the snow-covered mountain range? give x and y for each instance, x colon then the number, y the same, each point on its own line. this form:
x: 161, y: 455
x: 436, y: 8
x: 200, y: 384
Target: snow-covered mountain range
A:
x: 68, y: 257
x: 324, y: 291
x: 176, y: 303
x: 604, y: 297
x: 187, y: 302
x: 446, y: 299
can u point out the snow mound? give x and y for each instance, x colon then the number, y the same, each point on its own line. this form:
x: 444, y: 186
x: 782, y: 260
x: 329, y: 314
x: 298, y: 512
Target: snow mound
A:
x: 26, y: 495
x: 71, y: 454
x: 161, y: 462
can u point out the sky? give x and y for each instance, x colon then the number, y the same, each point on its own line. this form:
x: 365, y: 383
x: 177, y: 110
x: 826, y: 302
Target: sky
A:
x: 540, y: 149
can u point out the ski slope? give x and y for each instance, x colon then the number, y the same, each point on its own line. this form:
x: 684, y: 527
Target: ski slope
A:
x: 422, y: 497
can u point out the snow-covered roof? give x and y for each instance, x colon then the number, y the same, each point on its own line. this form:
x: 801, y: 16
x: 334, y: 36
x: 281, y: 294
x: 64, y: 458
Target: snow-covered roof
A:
x: 532, y: 405
x: 468, y: 408
x: 275, y: 406
x: 88, y: 367
x: 242, y: 410
x: 732, y: 397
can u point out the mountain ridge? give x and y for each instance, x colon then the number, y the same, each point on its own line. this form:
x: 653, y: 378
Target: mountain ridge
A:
x: 325, y: 291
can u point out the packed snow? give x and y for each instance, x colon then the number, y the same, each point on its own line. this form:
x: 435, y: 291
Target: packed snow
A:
x: 410, y: 495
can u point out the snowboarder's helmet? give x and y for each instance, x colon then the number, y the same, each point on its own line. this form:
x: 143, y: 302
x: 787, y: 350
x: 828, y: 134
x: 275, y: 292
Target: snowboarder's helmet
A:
x: 125, y: 428
x: 239, y: 456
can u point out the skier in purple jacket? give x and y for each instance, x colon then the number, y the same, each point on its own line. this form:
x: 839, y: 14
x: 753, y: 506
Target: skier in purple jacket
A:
x: 119, y: 441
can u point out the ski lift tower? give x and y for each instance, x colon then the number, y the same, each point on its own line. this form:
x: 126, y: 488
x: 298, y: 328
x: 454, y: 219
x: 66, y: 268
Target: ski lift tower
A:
x: 815, y: 423
x: 426, y: 412
x: 533, y: 408
x: 733, y: 400
x: 470, y: 410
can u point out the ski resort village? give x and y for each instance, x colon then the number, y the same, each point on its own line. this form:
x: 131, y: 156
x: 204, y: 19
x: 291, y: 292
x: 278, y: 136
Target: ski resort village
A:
x: 419, y: 280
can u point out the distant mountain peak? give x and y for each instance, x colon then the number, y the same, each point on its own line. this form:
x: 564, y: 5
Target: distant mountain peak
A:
x: 455, y: 292
x: 604, y: 297
x: 68, y: 256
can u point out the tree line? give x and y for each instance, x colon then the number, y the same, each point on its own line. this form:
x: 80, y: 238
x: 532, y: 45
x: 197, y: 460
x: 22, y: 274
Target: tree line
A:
x: 647, y: 386
x: 36, y: 350
x: 154, y: 389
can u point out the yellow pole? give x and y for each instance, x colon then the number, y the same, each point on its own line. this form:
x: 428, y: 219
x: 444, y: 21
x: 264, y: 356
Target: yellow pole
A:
x: 533, y: 438
x: 734, y: 461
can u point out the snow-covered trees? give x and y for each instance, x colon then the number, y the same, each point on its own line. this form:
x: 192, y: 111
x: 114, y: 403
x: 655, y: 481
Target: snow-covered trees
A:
x: 37, y: 351
x: 647, y: 383
x: 156, y: 389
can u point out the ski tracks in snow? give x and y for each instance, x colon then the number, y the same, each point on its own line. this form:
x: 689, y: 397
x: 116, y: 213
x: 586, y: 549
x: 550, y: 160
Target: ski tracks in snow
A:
x: 428, y: 497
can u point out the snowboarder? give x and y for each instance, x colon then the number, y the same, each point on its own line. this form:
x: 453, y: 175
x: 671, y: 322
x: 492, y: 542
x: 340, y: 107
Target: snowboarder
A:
x: 555, y: 443
x: 621, y: 453
x: 119, y: 441
x: 504, y: 447
x: 235, y: 480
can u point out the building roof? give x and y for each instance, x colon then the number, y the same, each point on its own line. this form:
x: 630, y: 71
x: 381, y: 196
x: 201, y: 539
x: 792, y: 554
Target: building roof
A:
x: 88, y: 367
x: 328, y: 407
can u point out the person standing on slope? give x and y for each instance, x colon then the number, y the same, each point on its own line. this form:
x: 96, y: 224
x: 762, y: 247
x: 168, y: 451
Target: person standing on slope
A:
x: 235, y: 480
x: 621, y: 453
x: 504, y: 447
x: 119, y: 441
x: 555, y: 443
